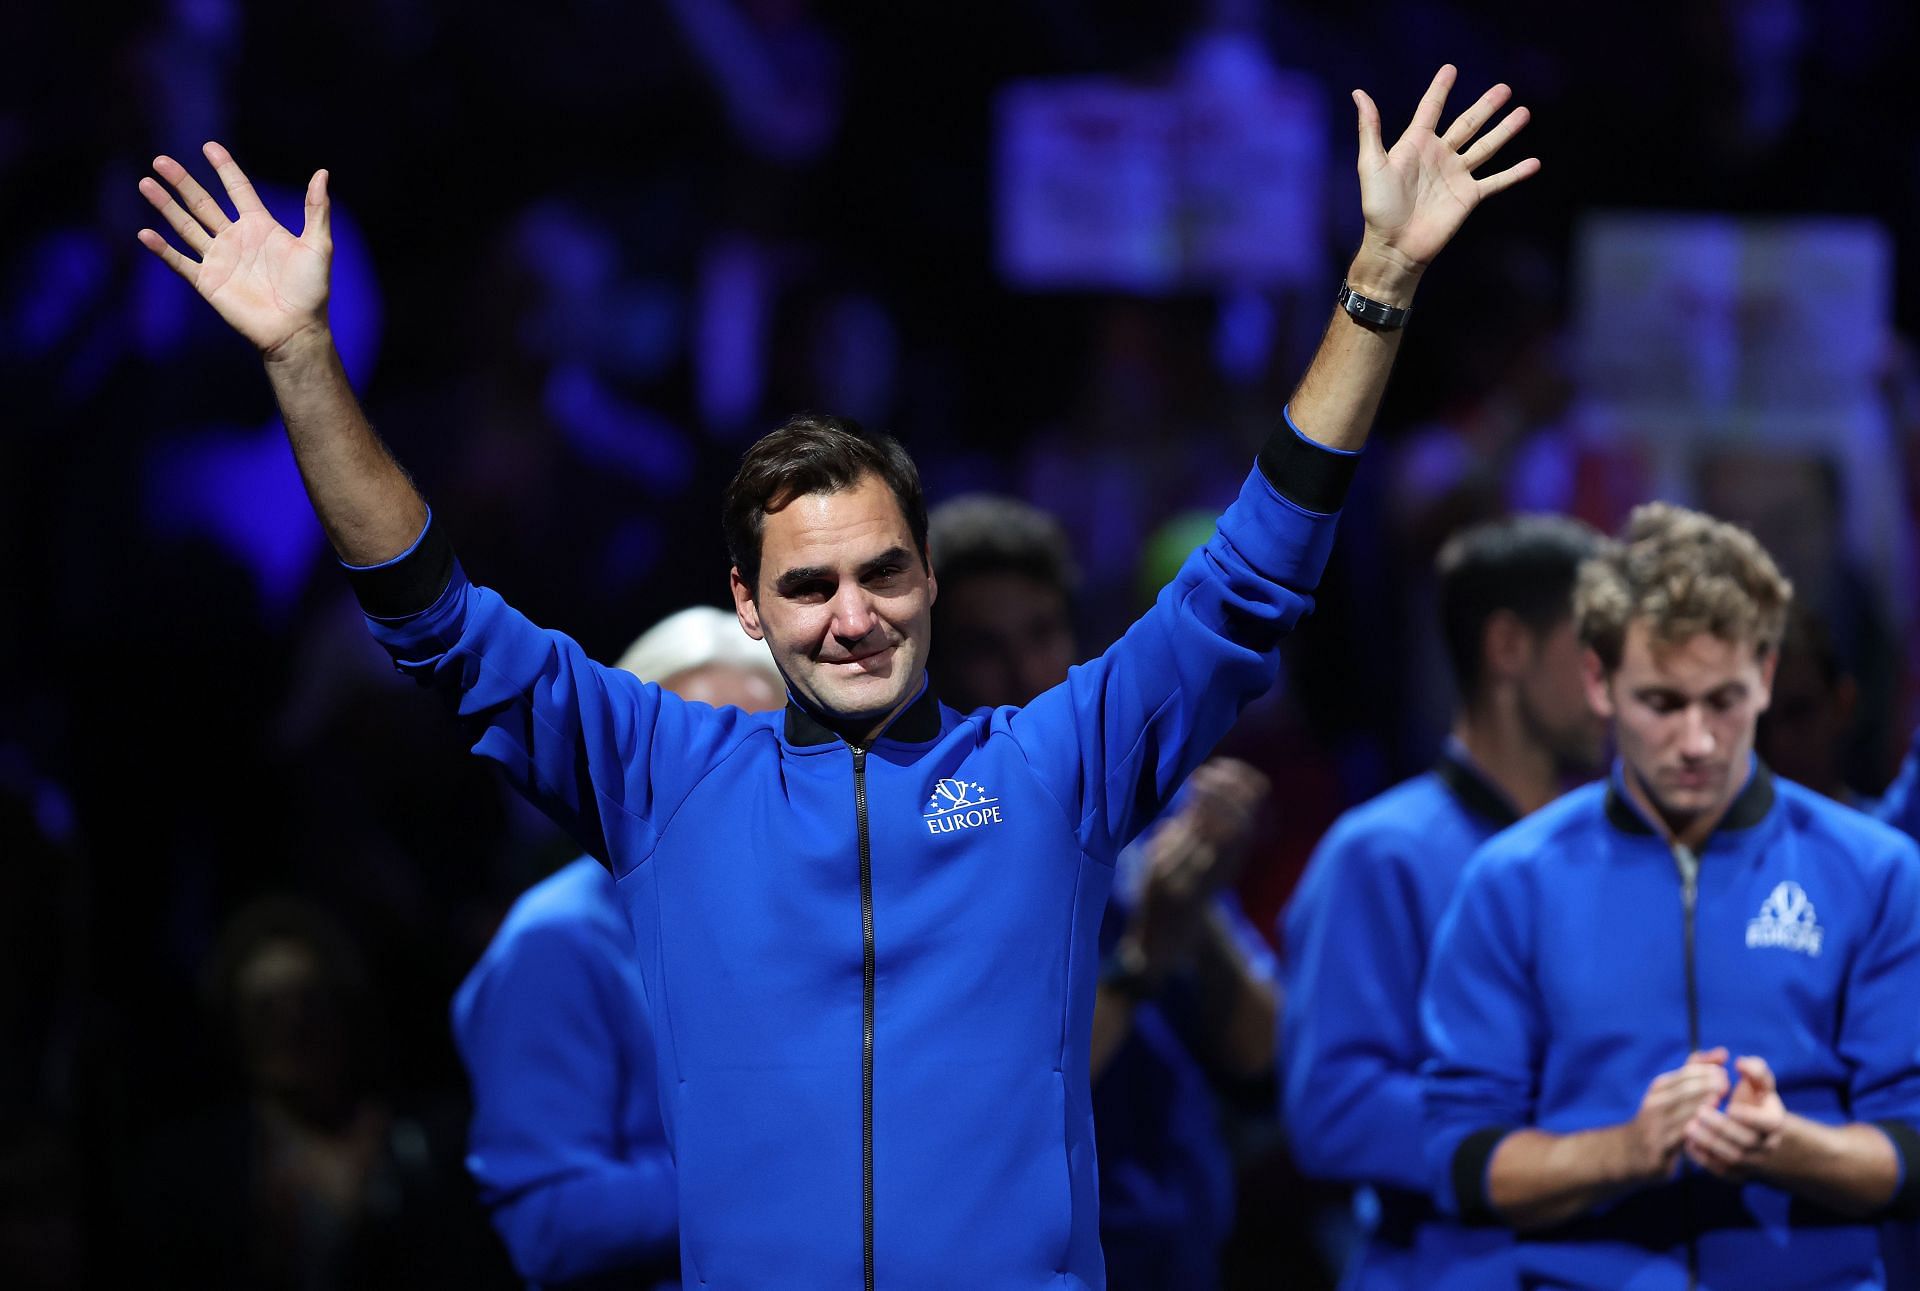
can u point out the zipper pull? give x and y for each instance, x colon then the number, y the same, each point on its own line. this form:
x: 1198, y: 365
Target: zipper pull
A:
x: 1688, y: 864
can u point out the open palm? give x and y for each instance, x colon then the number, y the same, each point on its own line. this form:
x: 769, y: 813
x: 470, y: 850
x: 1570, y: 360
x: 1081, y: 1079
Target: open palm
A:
x: 1416, y: 195
x: 266, y: 283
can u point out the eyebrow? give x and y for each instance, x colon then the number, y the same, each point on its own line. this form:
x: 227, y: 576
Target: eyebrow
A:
x: 1657, y: 689
x: 793, y: 579
x: 894, y: 555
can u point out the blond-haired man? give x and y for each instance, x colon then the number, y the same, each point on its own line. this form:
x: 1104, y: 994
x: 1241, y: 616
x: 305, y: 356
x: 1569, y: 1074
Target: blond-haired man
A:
x: 1672, y: 1014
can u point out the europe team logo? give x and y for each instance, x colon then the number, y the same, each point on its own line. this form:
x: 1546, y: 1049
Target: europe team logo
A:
x: 960, y: 804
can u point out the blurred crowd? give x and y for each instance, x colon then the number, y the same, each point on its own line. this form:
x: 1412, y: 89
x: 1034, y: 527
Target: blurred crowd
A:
x: 584, y: 257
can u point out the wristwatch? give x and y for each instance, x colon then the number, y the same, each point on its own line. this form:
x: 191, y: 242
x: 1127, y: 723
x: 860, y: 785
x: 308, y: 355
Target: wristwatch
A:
x: 1127, y: 973
x: 1373, y: 313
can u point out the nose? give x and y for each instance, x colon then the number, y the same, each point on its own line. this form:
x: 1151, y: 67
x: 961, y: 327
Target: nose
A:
x: 853, y: 616
x: 1696, y: 736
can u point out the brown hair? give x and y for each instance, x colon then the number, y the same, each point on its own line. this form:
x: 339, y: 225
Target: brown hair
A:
x: 1685, y: 573
x: 811, y: 453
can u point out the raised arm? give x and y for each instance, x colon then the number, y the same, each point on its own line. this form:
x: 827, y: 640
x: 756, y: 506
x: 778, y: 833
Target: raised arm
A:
x: 271, y: 287
x: 1415, y: 197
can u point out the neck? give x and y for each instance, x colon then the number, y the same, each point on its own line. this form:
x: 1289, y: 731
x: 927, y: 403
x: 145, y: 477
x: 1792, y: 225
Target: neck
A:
x: 1690, y: 832
x: 863, y: 731
x: 1518, y: 765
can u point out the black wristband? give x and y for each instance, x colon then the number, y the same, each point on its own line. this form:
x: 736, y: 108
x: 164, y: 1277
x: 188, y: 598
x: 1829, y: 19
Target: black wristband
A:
x: 1906, y: 1145
x: 1311, y: 476
x: 1470, y: 1175
x: 410, y: 582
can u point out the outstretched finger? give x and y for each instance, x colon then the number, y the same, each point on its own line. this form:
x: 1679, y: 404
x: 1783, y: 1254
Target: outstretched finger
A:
x: 198, y: 200
x: 1434, y: 101
x: 319, y: 219
x: 188, y: 269
x: 1373, y: 152
x: 239, y: 187
x: 1507, y: 178
x: 1468, y: 123
x: 1496, y: 139
x: 189, y: 229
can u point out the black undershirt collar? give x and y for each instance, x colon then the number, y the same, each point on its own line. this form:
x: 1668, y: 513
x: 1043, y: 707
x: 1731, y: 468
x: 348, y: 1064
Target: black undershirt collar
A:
x: 917, y: 723
x: 1472, y: 788
x: 1748, y: 809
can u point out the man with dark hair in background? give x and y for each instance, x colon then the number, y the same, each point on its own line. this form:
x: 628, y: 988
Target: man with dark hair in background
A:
x: 1356, y: 934
x: 867, y: 927
x: 1605, y: 959
x: 1188, y: 995
x: 567, y: 1145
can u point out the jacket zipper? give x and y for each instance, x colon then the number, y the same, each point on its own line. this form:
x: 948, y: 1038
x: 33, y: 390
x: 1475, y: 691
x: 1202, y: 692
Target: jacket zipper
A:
x: 1688, y: 863
x: 866, y: 1015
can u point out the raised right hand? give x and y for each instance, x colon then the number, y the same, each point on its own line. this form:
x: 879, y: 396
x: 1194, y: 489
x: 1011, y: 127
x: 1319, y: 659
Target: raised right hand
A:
x: 1658, y: 1130
x: 267, y: 284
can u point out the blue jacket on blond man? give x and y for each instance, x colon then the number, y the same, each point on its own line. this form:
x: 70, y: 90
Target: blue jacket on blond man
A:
x: 1563, y: 979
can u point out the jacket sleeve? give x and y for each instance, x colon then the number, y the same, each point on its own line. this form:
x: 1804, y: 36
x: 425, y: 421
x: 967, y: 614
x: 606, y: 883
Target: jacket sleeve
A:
x: 544, y: 1027
x: 1350, y: 1048
x: 1880, y: 1023
x: 1116, y: 739
x: 1485, y: 1029
x: 595, y: 748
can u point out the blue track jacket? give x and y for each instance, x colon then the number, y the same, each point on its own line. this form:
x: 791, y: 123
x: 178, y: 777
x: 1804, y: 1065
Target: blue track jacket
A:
x: 1354, y: 943
x: 1561, y: 986
x: 566, y: 1143
x: 871, y: 972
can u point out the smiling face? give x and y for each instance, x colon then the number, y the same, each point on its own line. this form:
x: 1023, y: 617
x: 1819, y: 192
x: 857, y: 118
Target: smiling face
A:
x: 843, y: 600
x: 1684, y: 716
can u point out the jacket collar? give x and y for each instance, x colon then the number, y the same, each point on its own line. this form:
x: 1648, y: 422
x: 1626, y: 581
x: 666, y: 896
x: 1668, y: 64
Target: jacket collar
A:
x: 1749, y: 808
x: 917, y: 723
x: 1471, y: 787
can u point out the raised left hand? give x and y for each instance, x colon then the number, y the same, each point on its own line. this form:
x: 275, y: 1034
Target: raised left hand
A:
x: 1416, y: 195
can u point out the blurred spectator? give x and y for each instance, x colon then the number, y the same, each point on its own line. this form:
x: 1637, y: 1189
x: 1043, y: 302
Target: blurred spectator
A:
x: 308, y: 1176
x: 1355, y: 937
x: 567, y: 1144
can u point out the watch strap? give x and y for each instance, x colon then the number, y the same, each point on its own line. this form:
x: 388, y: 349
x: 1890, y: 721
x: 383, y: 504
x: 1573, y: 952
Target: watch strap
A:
x: 1374, y: 313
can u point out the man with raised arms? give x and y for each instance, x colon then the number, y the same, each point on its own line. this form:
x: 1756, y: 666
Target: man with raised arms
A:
x: 871, y: 1036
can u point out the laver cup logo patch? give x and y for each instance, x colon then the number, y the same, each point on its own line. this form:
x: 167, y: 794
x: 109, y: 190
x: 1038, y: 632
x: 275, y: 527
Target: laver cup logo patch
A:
x: 960, y: 804
x: 1786, y: 921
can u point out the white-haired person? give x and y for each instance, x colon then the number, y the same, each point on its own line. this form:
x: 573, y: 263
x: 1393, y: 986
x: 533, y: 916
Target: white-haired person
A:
x: 567, y: 1146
